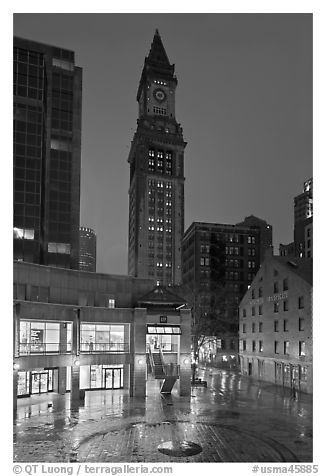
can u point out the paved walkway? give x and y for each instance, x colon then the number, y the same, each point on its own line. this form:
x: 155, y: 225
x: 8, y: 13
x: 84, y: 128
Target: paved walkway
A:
x: 234, y: 419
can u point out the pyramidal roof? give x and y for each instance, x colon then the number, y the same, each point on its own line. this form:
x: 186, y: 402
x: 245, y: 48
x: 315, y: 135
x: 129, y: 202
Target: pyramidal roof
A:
x: 157, y: 53
x: 161, y: 296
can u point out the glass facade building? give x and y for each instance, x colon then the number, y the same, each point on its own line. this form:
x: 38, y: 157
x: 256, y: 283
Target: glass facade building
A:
x: 47, y: 148
x: 87, y: 249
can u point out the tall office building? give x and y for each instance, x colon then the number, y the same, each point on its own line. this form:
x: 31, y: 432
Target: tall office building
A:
x: 47, y: 150
x: 156, y: 158
x: 302, y: 246
x: 222, y: 260
x: 303, y: 217
x: 87, y: 249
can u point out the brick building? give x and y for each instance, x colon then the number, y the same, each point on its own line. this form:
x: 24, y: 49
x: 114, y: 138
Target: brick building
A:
x: 275, y: 326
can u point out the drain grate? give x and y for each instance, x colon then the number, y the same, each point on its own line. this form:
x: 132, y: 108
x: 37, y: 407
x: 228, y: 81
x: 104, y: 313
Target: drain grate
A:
x: 179, y: 448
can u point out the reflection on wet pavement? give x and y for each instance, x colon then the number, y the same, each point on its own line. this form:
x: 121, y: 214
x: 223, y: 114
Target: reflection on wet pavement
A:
x: 233, y: 419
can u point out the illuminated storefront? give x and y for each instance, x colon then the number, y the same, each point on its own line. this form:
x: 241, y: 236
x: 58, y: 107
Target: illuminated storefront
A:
x: 103, y: 338
x: 163, y: 337
x: 107, y: 377
x: 35, y: 382
x: 43, y: 337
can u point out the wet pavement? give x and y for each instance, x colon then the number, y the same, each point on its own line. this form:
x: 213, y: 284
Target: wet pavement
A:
x: 234, y: 419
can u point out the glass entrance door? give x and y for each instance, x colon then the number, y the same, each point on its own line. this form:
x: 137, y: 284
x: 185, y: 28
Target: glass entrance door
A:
x: 113, y: 378
x: 108, y: 378
x: 42, y: 382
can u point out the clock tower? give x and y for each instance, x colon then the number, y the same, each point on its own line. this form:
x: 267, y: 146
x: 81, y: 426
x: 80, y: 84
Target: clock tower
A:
x: 156, y: 191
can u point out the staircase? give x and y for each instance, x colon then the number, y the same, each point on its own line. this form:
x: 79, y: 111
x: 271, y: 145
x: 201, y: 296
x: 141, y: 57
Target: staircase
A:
x: 168, y: 384
x: 163, y: 372
x: 158, y: 365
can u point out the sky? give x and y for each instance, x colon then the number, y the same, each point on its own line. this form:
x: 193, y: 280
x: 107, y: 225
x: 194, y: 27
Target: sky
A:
x: 244, y: 100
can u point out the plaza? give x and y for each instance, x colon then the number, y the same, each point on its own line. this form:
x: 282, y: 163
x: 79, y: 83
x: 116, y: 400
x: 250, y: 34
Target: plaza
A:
x: 234, y: 419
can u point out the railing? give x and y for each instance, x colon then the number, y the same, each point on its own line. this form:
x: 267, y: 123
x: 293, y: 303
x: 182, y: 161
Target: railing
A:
x: 151, y: 360
x: 162, y: 357
x: 171, y: 370
x: 96, y: 347
x: 56, y: 348
x: 43, y: 348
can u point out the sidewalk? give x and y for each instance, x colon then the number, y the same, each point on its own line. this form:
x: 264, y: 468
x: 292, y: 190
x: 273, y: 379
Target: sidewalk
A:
x: 234, y: 419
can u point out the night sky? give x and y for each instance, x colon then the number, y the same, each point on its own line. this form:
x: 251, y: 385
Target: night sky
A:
x: 244, y: 100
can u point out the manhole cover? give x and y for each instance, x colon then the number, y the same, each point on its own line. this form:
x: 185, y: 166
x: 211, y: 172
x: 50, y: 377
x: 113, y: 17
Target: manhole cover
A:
x: 179, y: 448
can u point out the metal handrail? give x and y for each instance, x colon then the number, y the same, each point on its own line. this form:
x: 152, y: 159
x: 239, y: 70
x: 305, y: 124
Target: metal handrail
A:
x: 96, y: 347
x: 151, y: 360
x: 27, y: 348
x: 171, y: 370
x: 162, y: 356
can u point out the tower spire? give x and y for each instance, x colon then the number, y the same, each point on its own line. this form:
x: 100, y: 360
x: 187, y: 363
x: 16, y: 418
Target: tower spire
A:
x: 157, y: 53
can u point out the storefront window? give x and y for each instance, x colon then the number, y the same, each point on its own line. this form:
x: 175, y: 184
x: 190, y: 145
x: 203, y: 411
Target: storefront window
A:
x: 102, y: 338
x: 101, y: 376
x: 39, y: 337
x: 23, y: 383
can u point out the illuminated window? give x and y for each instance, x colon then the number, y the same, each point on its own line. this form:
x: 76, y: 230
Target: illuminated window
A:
x: 60, y: 248
x: 59, y: 63
x: 111, y: 303
x: 26, y: 234
x: 260, y: 346
x: 302, y: 348
x: 60, y: 145
x: 160, y: 111
x: 286, y: 347
x: 303, y: 374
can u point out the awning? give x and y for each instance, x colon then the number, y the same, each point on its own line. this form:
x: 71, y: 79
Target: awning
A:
x: 161, y: 329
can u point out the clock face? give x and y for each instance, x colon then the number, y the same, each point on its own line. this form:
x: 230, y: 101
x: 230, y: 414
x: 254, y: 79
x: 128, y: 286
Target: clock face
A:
x: 159, y: 95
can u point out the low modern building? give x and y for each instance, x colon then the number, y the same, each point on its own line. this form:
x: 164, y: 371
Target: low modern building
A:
x: 77, y: 331
x: 276, y: 323
x: 87, y: 249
